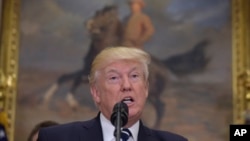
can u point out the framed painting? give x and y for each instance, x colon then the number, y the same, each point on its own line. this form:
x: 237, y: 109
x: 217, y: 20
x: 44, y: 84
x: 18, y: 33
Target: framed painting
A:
x: 199, y: 45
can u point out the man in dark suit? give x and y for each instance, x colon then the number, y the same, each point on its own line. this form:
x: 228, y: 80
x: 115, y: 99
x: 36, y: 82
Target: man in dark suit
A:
x: 117, y: 74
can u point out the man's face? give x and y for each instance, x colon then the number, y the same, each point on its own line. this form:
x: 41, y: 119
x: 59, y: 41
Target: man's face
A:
x: 135, y: 6
x: 122, y: 80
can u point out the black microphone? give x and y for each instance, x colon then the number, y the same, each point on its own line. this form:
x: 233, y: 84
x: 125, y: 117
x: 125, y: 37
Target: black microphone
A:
x: 119, y: 118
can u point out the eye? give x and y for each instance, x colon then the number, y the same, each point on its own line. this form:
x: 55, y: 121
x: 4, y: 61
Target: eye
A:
x: 135, y: 76
x: 113, y: 79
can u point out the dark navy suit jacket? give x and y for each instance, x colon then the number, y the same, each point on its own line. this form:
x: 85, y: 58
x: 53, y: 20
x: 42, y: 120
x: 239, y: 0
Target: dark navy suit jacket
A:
x: 91, y: 131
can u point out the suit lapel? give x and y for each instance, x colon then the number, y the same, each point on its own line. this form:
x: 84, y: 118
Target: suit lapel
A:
x: 92, y: 130
x: 145, y: 134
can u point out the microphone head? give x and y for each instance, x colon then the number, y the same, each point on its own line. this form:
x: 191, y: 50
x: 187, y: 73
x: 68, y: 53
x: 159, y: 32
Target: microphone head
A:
x: 123, y: 109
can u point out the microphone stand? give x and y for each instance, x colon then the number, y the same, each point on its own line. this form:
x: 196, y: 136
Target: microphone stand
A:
x: 118, y: 124
x: 119, y: 118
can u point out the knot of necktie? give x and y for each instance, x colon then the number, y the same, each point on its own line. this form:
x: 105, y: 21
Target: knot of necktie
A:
x: 125, y: 134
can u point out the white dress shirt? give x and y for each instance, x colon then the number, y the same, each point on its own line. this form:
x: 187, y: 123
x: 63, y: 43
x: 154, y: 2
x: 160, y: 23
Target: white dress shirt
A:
x: 108, y: 129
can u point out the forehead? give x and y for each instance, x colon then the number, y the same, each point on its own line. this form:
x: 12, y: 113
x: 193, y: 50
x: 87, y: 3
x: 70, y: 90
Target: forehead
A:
x: 123, y: 66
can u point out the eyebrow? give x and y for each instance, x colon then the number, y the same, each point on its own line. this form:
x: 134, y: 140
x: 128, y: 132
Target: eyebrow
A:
x: 115, y: 71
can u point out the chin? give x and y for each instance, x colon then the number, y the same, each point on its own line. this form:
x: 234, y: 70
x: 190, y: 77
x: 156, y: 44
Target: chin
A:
x: 133, y: 114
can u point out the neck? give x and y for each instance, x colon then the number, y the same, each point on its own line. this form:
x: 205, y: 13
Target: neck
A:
x: 131, y: 121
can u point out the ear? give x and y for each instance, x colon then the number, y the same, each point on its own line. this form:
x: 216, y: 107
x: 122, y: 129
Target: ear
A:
x: 95, y: 94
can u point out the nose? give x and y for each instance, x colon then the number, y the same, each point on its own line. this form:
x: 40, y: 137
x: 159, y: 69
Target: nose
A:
x: 126, y: 85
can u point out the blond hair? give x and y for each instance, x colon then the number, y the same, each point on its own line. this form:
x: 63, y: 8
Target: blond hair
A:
x: 112, y: 54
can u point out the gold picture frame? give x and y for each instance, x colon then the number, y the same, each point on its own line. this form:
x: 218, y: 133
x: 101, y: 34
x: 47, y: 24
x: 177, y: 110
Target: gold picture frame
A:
x: 9, y: 63
x: 241, y: 60
x: 10, y: 46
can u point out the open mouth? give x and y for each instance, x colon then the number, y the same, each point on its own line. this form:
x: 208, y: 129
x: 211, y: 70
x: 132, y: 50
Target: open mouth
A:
x: 128, y: 100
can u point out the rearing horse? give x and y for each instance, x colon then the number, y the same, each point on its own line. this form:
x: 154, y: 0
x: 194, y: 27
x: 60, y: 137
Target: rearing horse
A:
x: 105, y: 30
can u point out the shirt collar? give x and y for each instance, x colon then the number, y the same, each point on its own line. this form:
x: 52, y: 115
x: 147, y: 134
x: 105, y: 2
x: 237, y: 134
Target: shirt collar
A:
x: 134, y: 129
x: 108, y: 129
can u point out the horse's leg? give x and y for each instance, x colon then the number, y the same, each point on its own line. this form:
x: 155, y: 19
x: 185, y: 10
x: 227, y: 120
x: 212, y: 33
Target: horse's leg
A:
x: 54, y: 87
x: 81, y: 76
x: 157, y: 83
x: 49, y: 93
x: 70, y: 98
x: 72, y: 102
x: 159, y: 108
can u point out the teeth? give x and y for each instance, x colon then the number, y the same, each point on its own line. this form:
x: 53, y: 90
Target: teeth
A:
x: 127, y: 100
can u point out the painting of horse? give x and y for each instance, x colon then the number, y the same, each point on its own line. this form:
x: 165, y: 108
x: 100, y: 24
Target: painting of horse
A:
x: 105, y: 29
x: 190, y: 89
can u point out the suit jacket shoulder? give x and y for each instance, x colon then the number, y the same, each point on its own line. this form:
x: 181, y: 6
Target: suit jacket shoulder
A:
x: 147, y: 134
x: 75, y: 131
